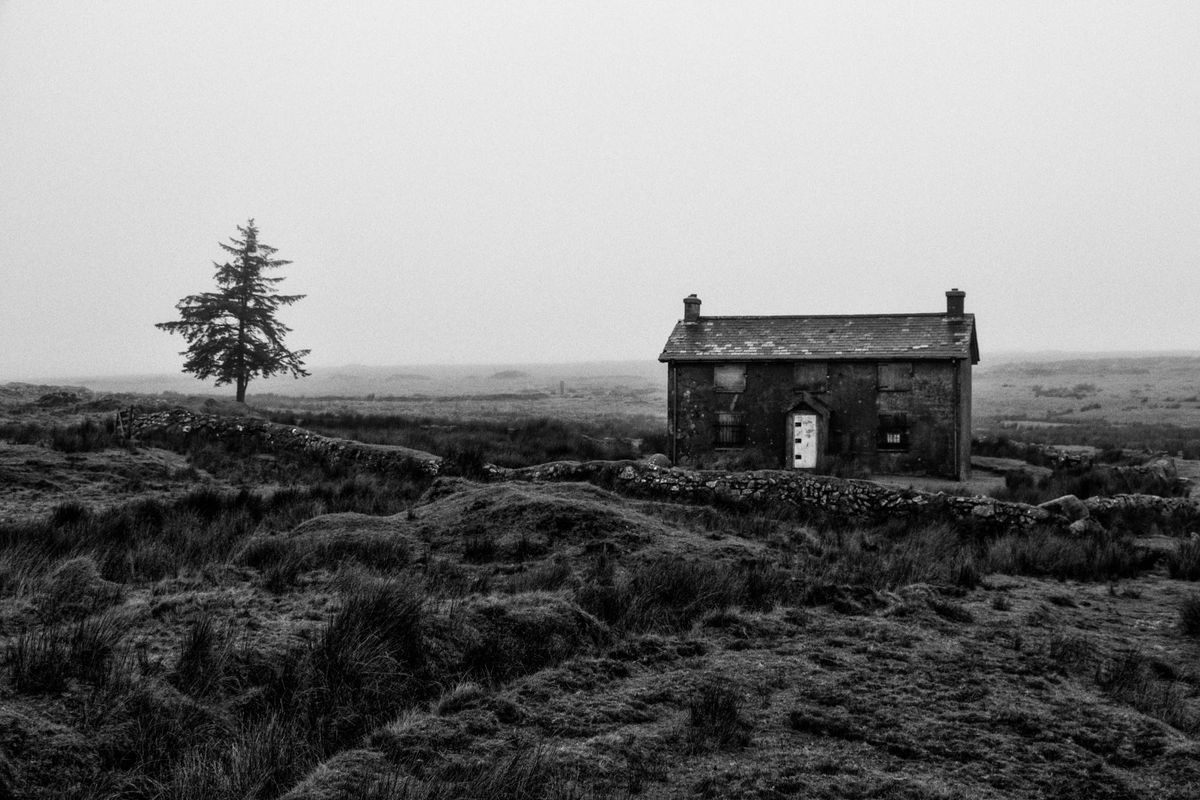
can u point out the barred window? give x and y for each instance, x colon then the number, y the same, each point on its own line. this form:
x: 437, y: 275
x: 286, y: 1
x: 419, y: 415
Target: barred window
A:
x: 731, y: 429
x: 893, y: 432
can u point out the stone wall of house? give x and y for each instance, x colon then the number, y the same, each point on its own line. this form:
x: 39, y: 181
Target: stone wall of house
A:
x: 930, y: 398
x: 179, y: 428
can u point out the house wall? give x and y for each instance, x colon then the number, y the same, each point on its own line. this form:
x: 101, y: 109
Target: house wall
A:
x: 938, y: 420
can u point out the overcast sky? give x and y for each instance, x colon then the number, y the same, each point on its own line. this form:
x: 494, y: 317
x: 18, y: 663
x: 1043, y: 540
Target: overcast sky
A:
x: 545, y: 181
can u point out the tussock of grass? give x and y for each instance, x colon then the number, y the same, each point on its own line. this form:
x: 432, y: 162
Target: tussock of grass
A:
x: 503, y: 637
x: 205, y: 654
x: 715, y: 718
x: 364, y: 664
x: 260, y: 758
x: 38, y: 661
x: 525, y: 775
x: 1189, y: 615
x: 464, y: 695
x: 1132, y: 678
x: 86, y: 436
x: 1046, y: 553
x: 666, y: 593
x: 75, y: 589
x: 1184, y: 562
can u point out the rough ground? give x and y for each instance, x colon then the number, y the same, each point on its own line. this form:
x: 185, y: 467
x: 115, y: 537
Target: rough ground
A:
x: 35, y: 479
x: 1017, y: 688
x: 896, y: 702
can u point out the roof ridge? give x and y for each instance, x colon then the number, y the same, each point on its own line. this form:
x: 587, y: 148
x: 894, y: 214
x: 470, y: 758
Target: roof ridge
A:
x: 830, y: 316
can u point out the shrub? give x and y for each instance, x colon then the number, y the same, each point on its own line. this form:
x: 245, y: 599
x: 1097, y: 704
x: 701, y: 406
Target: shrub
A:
x: 83, y: 437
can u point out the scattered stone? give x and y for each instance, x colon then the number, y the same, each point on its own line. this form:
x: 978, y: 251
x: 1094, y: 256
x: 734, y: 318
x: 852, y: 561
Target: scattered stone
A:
x: 1068, y: 506
x: 1085, y: 527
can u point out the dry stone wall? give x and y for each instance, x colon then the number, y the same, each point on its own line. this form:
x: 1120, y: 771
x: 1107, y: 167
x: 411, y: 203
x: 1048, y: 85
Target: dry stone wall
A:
x: 180, y: 427
x: 847, y: 499
x: 820, y: 495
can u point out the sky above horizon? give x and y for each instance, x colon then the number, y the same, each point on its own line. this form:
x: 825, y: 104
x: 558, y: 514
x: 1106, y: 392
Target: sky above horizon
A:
x: 544, y: 182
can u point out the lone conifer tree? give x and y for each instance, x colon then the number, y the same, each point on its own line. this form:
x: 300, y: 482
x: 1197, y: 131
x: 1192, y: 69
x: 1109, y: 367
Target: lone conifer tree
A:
x: 232, y: 333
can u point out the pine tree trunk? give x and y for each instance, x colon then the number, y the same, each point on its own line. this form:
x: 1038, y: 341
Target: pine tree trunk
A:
x: 241, y: 389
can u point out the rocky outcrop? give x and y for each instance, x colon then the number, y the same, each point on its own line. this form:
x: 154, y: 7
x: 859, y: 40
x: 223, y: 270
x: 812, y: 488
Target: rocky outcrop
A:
x: 179, y: 427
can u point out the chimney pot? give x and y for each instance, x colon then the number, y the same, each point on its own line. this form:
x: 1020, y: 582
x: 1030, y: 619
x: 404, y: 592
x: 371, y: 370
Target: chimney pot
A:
x: 954, y: 303
x: 691, y: 308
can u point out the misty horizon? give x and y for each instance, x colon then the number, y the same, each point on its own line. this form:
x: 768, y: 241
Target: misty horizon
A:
x: 523, y: 183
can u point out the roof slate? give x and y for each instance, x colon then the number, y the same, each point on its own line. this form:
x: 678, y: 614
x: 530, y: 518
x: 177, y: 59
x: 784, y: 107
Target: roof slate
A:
x: 843, y: 336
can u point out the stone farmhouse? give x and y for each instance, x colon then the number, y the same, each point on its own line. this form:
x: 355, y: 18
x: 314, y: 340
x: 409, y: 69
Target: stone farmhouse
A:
x: 890, y: 393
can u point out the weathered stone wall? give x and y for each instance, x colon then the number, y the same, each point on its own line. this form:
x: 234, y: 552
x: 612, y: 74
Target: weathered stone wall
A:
x: 860, y: 500
x: 180, y: 427
x: 853, y: 500
x: 929, y: 400
x: 847, y: 499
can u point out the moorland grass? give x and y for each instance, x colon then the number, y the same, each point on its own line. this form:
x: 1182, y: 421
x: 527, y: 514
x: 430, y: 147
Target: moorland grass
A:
x: 218, y: 717
x: 506, y: 442
x: 86, y: 436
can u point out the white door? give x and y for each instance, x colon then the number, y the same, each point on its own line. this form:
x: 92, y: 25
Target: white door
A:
x: 804, y: 441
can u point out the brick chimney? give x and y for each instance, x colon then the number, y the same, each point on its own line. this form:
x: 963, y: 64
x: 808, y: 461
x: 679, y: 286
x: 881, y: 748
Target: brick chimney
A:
x: 954, y: 303
x: 691, y: 308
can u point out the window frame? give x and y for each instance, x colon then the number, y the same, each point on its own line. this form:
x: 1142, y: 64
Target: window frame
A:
x: 893, y: 424
x: 816, y: 367
x: 894, y: 376
x: 730, y: 431
x: 729, y: 387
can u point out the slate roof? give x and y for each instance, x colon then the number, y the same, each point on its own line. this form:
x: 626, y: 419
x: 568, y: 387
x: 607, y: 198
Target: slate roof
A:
x: 841, y: 336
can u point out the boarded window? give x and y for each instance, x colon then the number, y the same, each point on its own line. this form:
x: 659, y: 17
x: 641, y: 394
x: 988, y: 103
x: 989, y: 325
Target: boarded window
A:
x: 731, y: 429
x: 895, y: 376
x: 729, y: 377
x: 893, y: 432
x: 811, y: 376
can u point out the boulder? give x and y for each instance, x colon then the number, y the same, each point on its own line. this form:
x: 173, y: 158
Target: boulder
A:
x: 1068, y: 506
x: 1085, y: 527
x: 658, y: 460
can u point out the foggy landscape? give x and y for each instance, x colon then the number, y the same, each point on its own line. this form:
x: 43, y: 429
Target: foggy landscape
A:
x: 599, y: 400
